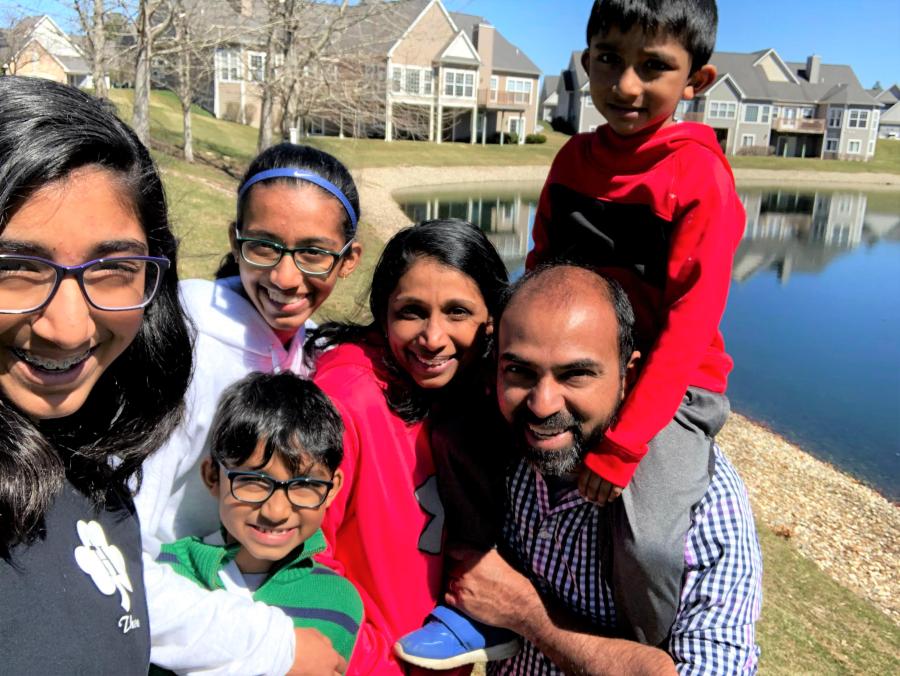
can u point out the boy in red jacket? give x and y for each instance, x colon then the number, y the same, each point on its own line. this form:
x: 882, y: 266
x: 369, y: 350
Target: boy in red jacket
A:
x: 652, y: 203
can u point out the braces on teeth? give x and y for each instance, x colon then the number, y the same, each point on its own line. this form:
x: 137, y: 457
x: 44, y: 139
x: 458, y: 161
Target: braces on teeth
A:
x: 52, y: 364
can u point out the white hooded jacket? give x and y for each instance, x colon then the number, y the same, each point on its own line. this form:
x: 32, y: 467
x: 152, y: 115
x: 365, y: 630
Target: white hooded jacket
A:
x: 194, y: 630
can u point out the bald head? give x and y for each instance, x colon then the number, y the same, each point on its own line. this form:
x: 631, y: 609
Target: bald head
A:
x: 569, y: 291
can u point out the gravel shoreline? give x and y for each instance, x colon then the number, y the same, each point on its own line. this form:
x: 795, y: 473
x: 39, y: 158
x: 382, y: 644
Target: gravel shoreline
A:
x: 849, y: 530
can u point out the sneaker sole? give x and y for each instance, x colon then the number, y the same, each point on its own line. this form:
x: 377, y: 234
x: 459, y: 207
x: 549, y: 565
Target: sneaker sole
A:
x: 492, y: 654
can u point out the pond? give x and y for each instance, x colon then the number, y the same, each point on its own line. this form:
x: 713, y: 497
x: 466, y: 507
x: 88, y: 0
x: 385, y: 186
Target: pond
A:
x: 813, y: 318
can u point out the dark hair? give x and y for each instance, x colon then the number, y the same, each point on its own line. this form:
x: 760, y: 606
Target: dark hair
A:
x: 296, y: 419
x: 47, y: 130
x: 292, y: 156
x: 454, y: 243
x: 611, y: 288
x: 692, y: 22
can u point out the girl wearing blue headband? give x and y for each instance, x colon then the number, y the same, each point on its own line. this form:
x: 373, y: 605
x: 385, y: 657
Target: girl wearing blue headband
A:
x: 292, y: 239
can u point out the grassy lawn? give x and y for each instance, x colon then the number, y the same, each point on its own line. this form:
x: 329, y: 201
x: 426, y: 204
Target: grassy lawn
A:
x: 810, y: 624
x: 239, y: 143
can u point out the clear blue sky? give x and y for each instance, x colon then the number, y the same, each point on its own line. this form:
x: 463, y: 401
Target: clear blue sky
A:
x: 864, y: 34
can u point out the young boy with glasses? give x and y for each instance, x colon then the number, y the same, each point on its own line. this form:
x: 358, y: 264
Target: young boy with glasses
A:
x: 276, y: 448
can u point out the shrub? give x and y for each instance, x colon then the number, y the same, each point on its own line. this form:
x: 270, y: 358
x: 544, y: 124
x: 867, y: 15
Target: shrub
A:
x: 535, y: 138
x: 562, y: 125
x: 755, y: 151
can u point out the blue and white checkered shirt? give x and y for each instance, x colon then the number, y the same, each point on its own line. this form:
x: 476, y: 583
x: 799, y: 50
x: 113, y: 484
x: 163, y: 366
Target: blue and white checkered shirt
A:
x: 563, y: 548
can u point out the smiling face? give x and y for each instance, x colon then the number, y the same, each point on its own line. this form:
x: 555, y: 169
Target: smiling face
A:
x: 637, y: 80
x: 294, y: 215
x: 51, y: 359
x: 436, y: 320
x: 559, y: 380
x: 269, y: 531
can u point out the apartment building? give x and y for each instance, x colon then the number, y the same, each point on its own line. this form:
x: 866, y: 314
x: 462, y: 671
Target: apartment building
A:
x: 430, y: 74
x: 889, y: 121
x: 37, y: 47
x: 762, y: 104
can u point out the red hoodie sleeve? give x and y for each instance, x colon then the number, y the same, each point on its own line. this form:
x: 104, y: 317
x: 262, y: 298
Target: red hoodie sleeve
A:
x: 373, y: 652
x: 707, y: 231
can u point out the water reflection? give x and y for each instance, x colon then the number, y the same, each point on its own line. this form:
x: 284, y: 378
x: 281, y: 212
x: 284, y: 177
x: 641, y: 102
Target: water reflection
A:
x: 813, y: 314
x: 788, y: 230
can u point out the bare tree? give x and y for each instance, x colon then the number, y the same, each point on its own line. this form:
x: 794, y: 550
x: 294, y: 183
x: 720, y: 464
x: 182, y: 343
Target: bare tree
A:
x: 92, y: 17
x: 154, y: 19
x: 13, y: 38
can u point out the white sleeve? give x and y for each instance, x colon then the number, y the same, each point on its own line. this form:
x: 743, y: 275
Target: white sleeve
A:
x: 195, y: 631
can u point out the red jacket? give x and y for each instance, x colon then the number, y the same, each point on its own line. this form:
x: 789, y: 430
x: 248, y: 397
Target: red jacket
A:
x: 385, y: 528
x: 669, y: 222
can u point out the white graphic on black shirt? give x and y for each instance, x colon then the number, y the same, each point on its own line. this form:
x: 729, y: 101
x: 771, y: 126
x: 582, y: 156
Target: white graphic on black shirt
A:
x: 430, y: 502
x: 103, y: 562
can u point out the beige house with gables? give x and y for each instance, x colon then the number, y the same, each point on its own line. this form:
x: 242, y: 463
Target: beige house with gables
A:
x: 433, y: 74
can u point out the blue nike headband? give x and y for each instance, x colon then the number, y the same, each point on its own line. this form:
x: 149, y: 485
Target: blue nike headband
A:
x: 287, y: 172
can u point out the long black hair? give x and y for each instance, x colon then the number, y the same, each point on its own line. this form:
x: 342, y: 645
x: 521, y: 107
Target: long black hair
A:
x: 293, y: 156
x: 47, y: 130
x: 454, y: 243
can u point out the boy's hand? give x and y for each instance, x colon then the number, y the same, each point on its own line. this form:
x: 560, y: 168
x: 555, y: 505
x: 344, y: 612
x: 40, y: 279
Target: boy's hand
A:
x: 314, y: 655
x: 594, y: 488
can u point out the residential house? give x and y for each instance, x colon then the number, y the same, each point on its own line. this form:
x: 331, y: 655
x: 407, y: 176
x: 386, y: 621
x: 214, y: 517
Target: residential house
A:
x: 38, y: 47
x: 889, y: 121
x: 574, y: 104
x: 549, y: 97
x: 760, y: 103
x: 429, y: 73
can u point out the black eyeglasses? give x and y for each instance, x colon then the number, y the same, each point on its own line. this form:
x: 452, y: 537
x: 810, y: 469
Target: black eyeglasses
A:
x: 310, y: 260
x: 28, y: 283
x: 255, y: 488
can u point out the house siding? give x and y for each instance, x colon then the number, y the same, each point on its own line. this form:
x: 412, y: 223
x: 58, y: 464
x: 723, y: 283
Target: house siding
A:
x: 421, y: 45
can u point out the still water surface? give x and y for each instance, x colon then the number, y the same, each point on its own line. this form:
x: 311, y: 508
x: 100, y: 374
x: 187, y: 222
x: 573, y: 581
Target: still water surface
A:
x: 813, y: 318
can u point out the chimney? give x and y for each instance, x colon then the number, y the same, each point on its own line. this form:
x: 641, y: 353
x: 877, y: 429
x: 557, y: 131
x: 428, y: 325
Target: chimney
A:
x: 484, y: 42
x: 813, y: 69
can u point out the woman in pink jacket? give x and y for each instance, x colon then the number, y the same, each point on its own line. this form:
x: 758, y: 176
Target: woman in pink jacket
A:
x: 434, y: 292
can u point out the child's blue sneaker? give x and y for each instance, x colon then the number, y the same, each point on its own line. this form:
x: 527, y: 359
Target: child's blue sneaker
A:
x: 450, y: 639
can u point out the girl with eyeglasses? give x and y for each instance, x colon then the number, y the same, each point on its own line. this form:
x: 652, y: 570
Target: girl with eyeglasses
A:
x: 95, y: 358
x: 293, y: 237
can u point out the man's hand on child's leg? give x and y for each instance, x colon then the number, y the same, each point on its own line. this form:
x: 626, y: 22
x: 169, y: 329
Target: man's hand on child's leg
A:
x: 314, y: 655
x: 594, y: 488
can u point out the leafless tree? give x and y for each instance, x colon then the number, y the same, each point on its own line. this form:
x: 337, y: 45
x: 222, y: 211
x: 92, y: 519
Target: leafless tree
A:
x: 154, y: 19
x: 14, y: 37
x: 92, y: 17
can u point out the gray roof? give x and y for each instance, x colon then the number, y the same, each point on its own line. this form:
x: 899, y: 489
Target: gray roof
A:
x: 74, y: 64
x: 507, y: 57
x: 889, y: 96
x: 580, y: 74
x: 838, y: 84
x: 548, y: 87
x: 891, y: 115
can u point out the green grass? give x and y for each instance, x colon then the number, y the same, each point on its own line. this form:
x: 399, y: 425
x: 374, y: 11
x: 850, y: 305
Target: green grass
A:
x: 886, y: 160
x: 238, y: 142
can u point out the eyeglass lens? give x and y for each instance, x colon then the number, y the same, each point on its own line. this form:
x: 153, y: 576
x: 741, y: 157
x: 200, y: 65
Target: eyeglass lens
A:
x: 266, y: 254
x: 114, y: 284
x: 252, y: 488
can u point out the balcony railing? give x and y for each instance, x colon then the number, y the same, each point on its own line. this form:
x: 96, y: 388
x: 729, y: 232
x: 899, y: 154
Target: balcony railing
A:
x: 489, y: 97
x: 802, y: 125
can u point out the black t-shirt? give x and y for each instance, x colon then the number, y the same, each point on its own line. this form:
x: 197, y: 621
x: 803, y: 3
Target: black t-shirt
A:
x: 73, y: 602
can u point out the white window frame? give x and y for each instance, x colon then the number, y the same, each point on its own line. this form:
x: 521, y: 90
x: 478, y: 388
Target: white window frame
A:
x: 514, y: 121
x: 256, y: 73
x: 832, y: 145
x: 835, y: 118
x: 747, y: 108
x: 459, y: 84
x: 519, y: 88
x: 229, y: 67
x: 744, y: 138
x: 412, y: 81
x: 427, y: 81
x: 721, y: 110
x: 495, y: 85
x: 858, y: 118
x: 396, y: 79
x: 854, y: 143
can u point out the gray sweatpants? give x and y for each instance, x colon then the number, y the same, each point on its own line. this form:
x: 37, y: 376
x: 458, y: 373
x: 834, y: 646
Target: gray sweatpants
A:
x: 652, y: 518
